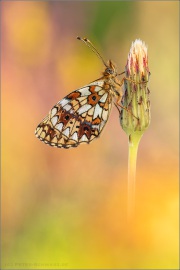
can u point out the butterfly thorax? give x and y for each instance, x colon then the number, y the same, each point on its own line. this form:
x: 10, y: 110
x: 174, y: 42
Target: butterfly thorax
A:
x: 111, y: 83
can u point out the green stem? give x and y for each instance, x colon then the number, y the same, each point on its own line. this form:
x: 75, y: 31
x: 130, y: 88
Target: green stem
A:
x: 134, y: 140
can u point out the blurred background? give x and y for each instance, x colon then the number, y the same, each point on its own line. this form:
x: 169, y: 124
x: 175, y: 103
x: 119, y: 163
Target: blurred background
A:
x: 68, y: 208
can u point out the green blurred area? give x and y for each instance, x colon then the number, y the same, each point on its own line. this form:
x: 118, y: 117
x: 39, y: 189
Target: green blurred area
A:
x: 66, y: 209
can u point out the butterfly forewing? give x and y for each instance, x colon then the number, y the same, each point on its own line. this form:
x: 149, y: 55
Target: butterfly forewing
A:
x: 78, y: 118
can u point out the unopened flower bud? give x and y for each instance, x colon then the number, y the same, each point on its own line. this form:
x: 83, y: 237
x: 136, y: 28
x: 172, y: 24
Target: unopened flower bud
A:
x: 136, y: 93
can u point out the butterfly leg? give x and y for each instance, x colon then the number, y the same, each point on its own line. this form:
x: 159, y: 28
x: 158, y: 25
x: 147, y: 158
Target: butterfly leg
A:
x: 124, y: 108
x: 127, y: 79
x: 118, y: 103
x: 119, y: 96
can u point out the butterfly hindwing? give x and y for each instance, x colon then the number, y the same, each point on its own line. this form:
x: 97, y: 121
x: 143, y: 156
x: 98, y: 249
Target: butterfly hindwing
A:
x: 78, y: 118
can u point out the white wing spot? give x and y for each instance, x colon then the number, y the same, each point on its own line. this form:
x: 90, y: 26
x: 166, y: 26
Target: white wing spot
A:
x: 95, y: 126
x: 84, y: 138
x: 59, y: 126
x: 97, y: 111
x: 104, y: 97
x: 66, y: 132
x: 54, y: 120
x: 84, y: 108
x: 74, y: 137
x: 67, y: 107
x: 84, y: 91
x: 97, y: 88
x: 53, y: 112
x: 63, y: 102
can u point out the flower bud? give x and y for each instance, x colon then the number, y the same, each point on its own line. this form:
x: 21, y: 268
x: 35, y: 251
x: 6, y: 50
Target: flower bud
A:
x: 136, y: 93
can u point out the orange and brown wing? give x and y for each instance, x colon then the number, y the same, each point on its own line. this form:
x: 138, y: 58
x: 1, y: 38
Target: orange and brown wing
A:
x: 78, y: 118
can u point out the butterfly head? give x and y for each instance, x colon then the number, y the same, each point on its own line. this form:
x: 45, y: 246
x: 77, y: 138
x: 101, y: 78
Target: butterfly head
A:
x: 110, y: 70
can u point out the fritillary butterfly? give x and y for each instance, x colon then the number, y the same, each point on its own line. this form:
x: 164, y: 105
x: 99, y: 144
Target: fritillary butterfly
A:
x: 81, y: 116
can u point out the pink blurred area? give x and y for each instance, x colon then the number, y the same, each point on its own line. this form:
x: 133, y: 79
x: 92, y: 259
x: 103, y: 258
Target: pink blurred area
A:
x: 68, y: 208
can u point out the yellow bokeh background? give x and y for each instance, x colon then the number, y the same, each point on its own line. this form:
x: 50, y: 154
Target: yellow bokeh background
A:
x: 67, y: 209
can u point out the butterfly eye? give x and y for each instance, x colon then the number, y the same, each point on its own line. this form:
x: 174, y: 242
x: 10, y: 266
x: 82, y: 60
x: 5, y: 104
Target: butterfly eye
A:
x: 109, y: 70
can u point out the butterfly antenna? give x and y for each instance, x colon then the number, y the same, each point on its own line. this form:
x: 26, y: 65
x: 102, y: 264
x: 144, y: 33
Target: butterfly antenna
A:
x: 91, y: 46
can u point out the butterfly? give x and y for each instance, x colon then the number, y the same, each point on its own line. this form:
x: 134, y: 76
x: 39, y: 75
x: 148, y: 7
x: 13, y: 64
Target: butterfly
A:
x: 81, y: 116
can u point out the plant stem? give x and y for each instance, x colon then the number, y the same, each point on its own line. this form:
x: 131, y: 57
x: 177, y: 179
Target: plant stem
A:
x: 136, y: 100
x: 134, y: 140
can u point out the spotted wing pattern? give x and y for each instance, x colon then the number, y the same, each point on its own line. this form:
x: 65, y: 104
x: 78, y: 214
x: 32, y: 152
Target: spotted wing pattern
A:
x: 78, y: 118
